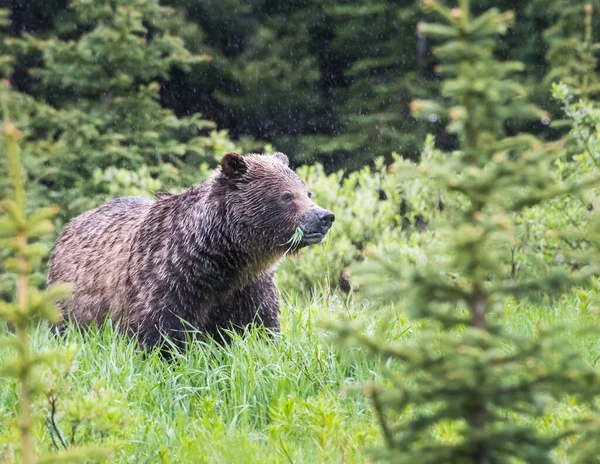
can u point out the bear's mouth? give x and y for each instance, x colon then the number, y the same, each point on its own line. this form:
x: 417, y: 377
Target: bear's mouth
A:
x: 312, y: 238
x: 314, y: 226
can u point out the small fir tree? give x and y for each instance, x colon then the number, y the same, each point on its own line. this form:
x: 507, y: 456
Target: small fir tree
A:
x: 572, y: 48
x: 465, y: 373
x: 20, y: 234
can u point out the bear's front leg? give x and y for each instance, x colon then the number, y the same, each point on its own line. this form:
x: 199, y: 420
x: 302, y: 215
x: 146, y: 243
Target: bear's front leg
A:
x: 256, y: 303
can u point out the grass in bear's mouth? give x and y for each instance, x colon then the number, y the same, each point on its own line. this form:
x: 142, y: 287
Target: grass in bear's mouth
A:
x: 295, y: 239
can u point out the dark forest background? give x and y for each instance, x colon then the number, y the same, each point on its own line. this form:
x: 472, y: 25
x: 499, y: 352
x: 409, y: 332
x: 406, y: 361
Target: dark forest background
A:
x: 327, y: 81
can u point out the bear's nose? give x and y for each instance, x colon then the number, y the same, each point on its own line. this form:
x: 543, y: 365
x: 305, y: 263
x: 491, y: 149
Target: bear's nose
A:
x: 326, y: 217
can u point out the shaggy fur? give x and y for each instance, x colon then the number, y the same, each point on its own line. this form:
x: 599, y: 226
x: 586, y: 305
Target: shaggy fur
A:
x: 201, y: 259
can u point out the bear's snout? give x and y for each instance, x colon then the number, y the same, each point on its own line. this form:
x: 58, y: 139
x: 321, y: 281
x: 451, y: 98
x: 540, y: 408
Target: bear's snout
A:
x: 315, y: 224
x: 326, y: 217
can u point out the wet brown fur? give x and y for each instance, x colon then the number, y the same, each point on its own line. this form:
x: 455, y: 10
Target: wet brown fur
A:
x: 204, y: 257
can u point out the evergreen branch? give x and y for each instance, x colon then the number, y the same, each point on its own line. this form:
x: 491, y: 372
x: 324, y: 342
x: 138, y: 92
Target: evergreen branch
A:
x: 555, y: 281
x: 437, y: 7
x: 372, y: 390
x: 563, y: 189
x: 11, y: 139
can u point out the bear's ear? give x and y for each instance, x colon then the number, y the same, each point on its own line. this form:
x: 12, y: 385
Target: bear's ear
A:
x: 233, y: 165
x: 281, y: 157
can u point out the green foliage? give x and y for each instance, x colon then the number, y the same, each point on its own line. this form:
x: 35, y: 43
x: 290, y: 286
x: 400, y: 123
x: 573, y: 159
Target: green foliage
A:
x: 326, y: 81
x: 571, y: 48
x: 536, y: 246
x: 466, y: 372
x: 270, y: 401
x: 254, y: 400
x: 331, y: 81
x: 19, y: 233
x: 94, y: 104
x: 373, y: 206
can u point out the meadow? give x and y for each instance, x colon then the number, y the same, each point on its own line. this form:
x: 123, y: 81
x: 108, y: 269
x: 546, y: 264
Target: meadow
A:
x: 292, y: 399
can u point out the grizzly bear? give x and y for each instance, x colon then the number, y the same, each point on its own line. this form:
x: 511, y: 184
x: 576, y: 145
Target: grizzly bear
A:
x: 201, y: 261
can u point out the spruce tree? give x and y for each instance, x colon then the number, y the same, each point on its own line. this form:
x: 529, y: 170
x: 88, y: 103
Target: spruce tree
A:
x: 25, y: 112
x: 98, y: 78
x: 19, y: 235
x: 328, y: 80
x: 464, y: 371
x: 572, y: 47
x: 321, y: 80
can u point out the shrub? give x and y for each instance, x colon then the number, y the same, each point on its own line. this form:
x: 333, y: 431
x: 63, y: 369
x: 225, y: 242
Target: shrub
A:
x: 464, y: 372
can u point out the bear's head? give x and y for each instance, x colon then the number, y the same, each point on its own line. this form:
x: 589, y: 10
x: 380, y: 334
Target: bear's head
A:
x: 269, y: 205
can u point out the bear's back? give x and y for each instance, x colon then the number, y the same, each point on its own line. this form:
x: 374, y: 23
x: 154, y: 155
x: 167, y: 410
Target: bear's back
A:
x: 92, y: 253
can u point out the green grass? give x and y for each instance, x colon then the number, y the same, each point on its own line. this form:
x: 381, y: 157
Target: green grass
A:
x: 260, y: 400
x: 255, y: 400
x: 295, y: 239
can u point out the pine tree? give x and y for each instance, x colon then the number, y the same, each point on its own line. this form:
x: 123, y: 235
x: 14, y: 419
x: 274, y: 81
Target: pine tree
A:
x: 385, y: 67
x: 24, y: 113
x: 320, y: 80
x: 98, y: 79
x: 328, y: 80
x: 464, y: 371
x: 572, y: 48
x: 20, y: 235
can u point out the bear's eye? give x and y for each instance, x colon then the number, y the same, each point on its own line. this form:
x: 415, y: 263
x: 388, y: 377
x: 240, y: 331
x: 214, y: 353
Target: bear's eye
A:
x: 309, y: 194
x: 287, y: 197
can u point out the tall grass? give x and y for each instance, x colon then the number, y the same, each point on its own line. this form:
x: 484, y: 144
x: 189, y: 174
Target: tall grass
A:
x: 256, y: 399
x: 266, y: 400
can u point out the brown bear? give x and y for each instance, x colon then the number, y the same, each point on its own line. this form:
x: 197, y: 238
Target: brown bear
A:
x: 202, y: 260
